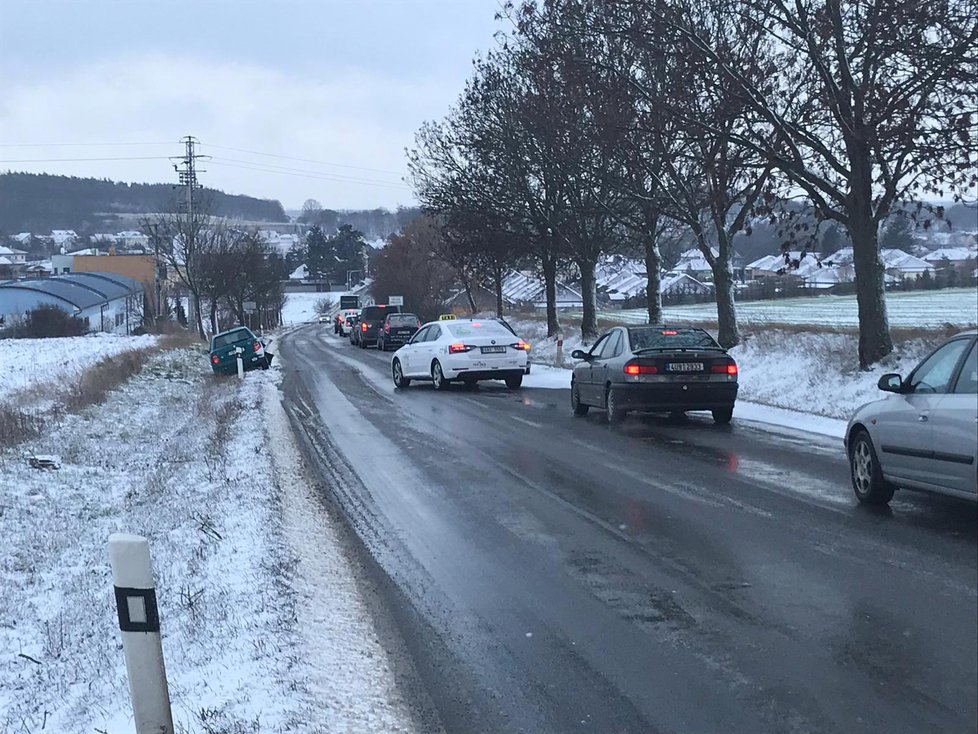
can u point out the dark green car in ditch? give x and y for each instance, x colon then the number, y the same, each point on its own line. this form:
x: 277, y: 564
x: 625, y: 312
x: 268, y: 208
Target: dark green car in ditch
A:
x: 226, y: 346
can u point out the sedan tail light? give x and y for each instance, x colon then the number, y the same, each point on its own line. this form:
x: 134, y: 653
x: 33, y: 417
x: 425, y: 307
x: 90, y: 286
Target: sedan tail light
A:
x: 458, y: 348
x: 387, y: 328
x: 257, y: 346
x: 525, y: 346
x: 635, y: 368
x: 363, y: 326
x: 215, y: 359
x: 724, y: 368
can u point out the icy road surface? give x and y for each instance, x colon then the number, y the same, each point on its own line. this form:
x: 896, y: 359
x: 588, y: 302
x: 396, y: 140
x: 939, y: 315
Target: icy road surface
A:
x: 555, y: 574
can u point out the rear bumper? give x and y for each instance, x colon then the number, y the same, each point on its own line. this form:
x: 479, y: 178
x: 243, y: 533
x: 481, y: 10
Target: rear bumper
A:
x: 487, y: 374
x: 690, y: 396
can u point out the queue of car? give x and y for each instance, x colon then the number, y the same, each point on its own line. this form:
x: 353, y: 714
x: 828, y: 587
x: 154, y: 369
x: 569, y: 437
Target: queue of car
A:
x: 923, y: 436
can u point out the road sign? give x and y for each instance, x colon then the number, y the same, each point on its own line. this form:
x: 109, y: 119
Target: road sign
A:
x: 395, y: 301
x: 250, y: 306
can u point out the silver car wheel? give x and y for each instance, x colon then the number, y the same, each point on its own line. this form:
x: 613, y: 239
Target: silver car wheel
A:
x: 862, y: 467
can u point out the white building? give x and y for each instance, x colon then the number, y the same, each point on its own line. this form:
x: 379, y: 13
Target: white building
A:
x: 954, y: 255
x: 63, y: 237
x: 12, y: 255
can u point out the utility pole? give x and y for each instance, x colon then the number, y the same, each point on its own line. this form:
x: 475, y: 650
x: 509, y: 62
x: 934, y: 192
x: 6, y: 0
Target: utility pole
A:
x: 186, y: 168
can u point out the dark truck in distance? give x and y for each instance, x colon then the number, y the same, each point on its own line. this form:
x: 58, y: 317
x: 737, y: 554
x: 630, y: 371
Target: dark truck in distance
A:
x: 225, y: 349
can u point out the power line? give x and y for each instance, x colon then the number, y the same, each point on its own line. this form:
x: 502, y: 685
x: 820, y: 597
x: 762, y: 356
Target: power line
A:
x: 318, y: 176
x: 304, y: 160
x: 76, y: 160
x: 287, y: 169
x: 80, y: 145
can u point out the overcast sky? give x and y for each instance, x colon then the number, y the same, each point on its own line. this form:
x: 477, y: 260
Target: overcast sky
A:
x: 343, y: 84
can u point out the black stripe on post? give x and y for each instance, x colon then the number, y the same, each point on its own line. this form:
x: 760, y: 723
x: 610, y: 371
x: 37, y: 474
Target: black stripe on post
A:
x: 137, y: 609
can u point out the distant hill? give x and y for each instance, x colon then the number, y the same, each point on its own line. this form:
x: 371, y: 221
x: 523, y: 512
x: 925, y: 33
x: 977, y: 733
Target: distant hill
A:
x: 38, y: 202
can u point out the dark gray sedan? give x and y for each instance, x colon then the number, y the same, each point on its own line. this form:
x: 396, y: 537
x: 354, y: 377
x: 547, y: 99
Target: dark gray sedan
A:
x: 656, y: 369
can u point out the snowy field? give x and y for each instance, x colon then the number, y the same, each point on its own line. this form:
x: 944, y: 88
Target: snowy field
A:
x: 301, y: 307
x: 910, y: 309
x: 243, y: 550
x: 33, y: 361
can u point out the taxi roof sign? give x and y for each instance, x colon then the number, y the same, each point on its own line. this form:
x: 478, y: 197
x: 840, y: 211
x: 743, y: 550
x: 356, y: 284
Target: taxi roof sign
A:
x: 447, y: 317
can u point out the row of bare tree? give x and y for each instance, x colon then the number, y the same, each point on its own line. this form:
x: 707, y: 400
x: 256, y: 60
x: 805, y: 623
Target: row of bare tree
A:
x: 598, y: 124
x: 221, y: 266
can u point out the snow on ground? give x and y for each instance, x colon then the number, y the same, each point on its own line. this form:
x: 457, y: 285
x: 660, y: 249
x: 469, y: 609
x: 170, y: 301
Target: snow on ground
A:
x: 264, y: 629
x: 790, y: 378
x: 302, y: 307
x: 907, y: 309
x: 33, y: 361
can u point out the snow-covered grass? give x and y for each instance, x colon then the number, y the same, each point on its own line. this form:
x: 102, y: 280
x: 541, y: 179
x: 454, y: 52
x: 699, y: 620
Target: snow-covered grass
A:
x: 811, y: 371
x: 302, y: 307
x: 906, y: 309
x: 206, y: 468
x: 27, y: 362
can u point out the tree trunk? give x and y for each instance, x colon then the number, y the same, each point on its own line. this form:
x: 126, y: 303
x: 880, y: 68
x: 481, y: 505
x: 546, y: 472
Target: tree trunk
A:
x: 549, y: 264
x: 729, y: 332
x: 498, y: 274
x: 589, y: 321
x: 213, y: 317
x: 468, y: 295
x: 874, y: 325
x: 198, y: 316
x: 653, y: 291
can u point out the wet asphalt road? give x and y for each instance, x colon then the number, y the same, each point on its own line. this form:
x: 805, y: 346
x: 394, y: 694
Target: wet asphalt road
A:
x: 555, y: 574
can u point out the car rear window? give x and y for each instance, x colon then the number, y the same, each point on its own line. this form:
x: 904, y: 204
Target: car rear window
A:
x: 477, y: 328
x: 407, y: 319
x: 226, y: 340
x: 377, y: 313
x: 659, y: 338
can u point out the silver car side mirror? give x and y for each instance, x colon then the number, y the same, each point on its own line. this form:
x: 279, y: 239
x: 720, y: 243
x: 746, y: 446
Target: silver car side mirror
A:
x: 891, y: 382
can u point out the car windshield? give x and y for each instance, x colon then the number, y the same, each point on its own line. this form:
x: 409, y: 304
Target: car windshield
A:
x: 664, y: 338
x: 401, y: 320
x: 229, y: 338
x: 376, y: 313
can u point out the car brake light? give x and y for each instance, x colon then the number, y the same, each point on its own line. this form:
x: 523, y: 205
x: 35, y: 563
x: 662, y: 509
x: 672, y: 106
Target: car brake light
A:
x: 257, y: 345
x: 727, y: 368
x: 387, y: 328
x: 215, y: 359
x: 525, y: 346
x: 670, y: 332
x: 634, y: 368
x: 458, y: 348
x: 363, y: 326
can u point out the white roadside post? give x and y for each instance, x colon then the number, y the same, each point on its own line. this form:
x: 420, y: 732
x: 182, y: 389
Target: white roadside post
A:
x: 139, y: 620
x: 239, y: 351
x: 560, y: 353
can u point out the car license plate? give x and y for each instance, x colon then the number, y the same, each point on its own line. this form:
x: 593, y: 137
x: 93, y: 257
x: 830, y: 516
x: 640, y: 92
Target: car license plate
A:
x: 684, y: 367
x: 493, y: 350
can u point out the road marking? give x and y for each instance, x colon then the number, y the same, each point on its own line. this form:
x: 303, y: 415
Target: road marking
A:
x: 524, y: 420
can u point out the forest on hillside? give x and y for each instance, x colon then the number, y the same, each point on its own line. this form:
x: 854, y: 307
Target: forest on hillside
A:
x: 37, y: 202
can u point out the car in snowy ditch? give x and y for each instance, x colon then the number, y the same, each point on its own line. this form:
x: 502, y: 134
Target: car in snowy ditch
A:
x: 654, y: 369
x: 463, y: 350
x: 226, y: 346
x: 924, y: 435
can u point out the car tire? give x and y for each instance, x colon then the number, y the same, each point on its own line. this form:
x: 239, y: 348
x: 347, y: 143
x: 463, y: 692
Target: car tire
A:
x: 614, y: 412
x: 438, y: 377
x: 577, y: 406
x: 722, y: 416
x: 398, y: 374
x: 866, y: 472
x: 514, y: 382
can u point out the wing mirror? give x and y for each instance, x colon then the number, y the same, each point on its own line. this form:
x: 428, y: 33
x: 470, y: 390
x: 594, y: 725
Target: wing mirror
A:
x: 891, y: 382
x: 579, y: 354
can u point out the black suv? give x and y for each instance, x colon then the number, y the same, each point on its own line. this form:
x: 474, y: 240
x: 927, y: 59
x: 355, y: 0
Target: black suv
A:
x: 372, y: 322
x: 397, y: 330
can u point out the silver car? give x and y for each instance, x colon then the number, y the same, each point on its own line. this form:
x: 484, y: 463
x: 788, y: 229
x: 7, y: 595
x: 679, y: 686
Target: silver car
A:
x: 925, y: 435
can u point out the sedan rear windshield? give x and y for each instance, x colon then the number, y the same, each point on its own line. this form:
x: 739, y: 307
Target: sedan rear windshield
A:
x: 407, y: 319
x: 226, y: 340
x: 659, y: 338
x: 478, y: 328
x: 376, y: 313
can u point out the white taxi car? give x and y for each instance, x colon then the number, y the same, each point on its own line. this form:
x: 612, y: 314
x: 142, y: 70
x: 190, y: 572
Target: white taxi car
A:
x: 467, y: 350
